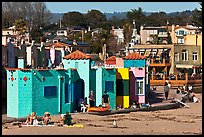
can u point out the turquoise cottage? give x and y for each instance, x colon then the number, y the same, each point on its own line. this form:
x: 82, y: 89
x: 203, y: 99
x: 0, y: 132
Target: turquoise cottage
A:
x: 39, y: 90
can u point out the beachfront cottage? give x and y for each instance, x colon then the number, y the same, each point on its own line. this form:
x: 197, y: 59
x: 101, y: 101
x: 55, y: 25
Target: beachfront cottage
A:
x: 98, y: 80
x: 137, y: 84
x: 39, y: 90
x: 82, y: 63
x: 137, y: 68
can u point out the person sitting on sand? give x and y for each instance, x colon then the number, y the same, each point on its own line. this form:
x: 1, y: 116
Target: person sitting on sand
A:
x: 83, y: 107
x: 191, y: 95
x: 28, y: 119
x: 178, y: 90
x: 46, y: 118
x: 33, y: 119
x: 67, y: 119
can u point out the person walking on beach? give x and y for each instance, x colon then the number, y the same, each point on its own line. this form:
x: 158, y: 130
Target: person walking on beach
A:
x: 105, y: 99
x: 166, y: 90
x: 91, y: 99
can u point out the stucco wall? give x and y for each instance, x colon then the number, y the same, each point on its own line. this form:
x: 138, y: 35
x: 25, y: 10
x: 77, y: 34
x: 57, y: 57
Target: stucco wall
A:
x: 12, y: 94
x: 83, y: 69
x: 134, y: 63
x: 26, y: 96
x: 103, y: 75
x: 190, y: 49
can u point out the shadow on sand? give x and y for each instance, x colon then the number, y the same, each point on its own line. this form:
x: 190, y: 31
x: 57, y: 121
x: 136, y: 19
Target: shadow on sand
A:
x: 155, y: 97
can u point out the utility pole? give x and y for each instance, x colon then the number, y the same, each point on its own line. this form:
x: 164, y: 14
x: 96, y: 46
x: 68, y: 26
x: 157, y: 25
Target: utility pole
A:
x: 60, y: 23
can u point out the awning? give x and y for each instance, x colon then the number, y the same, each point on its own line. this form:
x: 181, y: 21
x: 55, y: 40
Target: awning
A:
x: 184, y: 66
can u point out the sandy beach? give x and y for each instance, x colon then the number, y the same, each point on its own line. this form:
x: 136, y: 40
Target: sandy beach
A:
x: 179, y: 121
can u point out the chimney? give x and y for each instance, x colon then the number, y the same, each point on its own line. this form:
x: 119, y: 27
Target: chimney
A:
x: 173, y: 27
x: 74, y: 42
x: 82, y: 37
x: 21, y: 62
x: 141, y: 28
x: 32, y: 43
x: 112, y: 31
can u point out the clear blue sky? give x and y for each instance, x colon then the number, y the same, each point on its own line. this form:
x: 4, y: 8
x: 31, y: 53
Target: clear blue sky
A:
x: 110, y: 7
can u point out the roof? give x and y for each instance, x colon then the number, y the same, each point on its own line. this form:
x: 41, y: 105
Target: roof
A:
x: 153, y: 28
x: 112, y: 58
x: 178, y: 27
x: 134, y: 56
x: 58, y: 45
x: 76, y: 55
x: 78, y: 43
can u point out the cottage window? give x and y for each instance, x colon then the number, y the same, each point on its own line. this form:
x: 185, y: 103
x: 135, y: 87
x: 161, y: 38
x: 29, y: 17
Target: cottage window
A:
x: 184, y: 55
x: 50, y: 91
x: 195, y: 56
x: 109, y: 86
x: 176, y: 56
x: 139, y: 87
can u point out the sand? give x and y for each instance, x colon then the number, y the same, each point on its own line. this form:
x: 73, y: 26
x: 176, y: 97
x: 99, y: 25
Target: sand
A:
x: 181, y: 121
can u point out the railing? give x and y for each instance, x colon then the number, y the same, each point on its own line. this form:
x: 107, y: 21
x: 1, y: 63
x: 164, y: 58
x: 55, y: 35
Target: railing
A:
x: 160, y: 62
x: 175, y: 80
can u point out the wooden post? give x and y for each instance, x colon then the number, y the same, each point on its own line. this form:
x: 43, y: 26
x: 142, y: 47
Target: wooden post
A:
x: 152, y: 61
x: 186, y: 74
x: 152, y: 76
x: 163, y: 61
x: 164, y: 77
x: 176, y: 76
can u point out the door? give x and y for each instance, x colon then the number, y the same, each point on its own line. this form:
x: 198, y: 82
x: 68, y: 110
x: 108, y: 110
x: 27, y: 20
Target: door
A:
x: 78, y: 92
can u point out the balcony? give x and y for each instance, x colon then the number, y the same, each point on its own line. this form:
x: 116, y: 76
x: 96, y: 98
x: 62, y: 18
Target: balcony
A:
x: 176, y: 80
x: 158, y: 62
x: 163, y: 35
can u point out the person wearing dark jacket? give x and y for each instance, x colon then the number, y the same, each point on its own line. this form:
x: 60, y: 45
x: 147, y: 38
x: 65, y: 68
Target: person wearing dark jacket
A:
x: 166, y: 90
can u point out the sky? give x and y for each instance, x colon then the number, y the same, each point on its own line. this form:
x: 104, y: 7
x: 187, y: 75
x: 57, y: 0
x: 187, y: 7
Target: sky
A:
x: 110, y: 7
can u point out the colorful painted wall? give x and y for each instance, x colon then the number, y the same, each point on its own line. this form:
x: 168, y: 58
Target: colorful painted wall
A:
x: 119, y: 62
x: 106, y: 81
x: 134, y: 63
x: 122, y: 87
x: 39, y: 91
x: 137, y: 84
x: 83, y: 68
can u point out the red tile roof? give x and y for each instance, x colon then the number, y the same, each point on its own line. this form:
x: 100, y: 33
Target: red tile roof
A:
x: 77, y: 55
x: 58, y: 45
x: 112, y: 58
x: 134, y: 56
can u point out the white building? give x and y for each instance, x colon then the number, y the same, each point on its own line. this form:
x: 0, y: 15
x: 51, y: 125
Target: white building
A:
x: 135, y: 38
x: 62, y: 32
x: 13, y: 35
x: 119, y: 34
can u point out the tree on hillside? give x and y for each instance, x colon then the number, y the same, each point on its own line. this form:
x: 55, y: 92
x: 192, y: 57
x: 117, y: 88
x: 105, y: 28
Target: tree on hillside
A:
x: 156, y: 19
x: 138, y: 16
x: 94, y: 18
x: 35, y: 14
x: 127, y: 31
x: 73, y: 19
x: 197, y: 16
